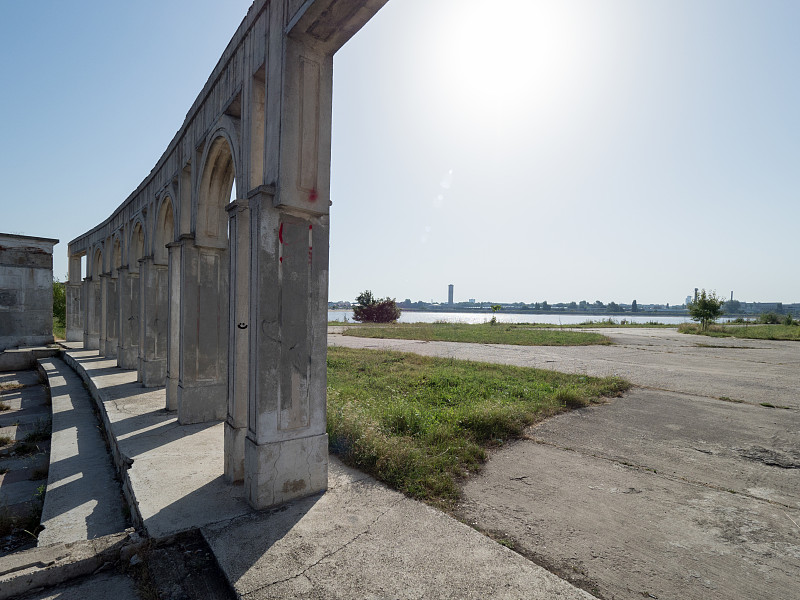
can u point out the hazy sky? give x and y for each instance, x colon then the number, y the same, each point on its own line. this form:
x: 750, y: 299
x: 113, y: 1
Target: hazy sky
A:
x: 523, y: 150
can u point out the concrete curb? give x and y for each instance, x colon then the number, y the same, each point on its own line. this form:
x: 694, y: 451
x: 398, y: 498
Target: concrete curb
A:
x: 121, y: 462
x: 48, y: 566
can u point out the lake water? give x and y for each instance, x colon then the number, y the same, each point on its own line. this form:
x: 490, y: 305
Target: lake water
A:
x: 459, y: 317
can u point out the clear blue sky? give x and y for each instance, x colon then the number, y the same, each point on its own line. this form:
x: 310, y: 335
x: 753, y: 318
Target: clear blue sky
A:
x: 560, y: 150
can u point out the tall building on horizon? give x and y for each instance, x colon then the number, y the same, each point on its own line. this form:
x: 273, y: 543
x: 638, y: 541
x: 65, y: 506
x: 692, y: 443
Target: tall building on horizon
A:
x: 450, y: 294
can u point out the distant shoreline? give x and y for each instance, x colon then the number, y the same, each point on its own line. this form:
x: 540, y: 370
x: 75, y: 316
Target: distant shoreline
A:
x: 593, y: 314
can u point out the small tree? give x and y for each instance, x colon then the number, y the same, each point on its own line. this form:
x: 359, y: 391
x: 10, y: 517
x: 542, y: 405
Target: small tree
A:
x: 495, y: 308
x: 373, y: 310
x: 59, y: 303
x: 634, y: 306
x: 706, y: 307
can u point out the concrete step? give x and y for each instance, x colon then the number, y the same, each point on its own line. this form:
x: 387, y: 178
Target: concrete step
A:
x: 83, y: 499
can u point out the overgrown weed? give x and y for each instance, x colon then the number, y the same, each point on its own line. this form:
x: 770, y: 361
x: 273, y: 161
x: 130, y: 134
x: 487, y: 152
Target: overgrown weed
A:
x: 420, y: 424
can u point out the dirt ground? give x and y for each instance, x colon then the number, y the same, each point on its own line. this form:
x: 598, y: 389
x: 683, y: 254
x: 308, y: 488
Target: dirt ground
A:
x: 687, y: 487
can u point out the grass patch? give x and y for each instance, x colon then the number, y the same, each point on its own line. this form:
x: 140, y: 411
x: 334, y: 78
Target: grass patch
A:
x: 10, y: 385
x: 4, y: 407
x: 623, y: 323
x: 749, y: 332
x: 59, y: 330
x: 419, y: 423
x: 40, y: 432
x: 484, y: 333
x: 5, y: 440
x: 40, y: 473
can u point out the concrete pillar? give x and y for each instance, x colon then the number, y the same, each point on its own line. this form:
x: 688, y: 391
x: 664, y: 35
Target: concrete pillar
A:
x: 111, y: 315
x: 203, y: 355
x: 75, y: 302
x: 238, y: 340
x: 286, y: 450
x: 174, y: 327
x: 91, y: 338
x: 102, y: 312
x: 153, y: 327
x: 128, y: 349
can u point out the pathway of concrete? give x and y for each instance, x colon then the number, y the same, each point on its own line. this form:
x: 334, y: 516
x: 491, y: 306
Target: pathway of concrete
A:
x: 687, y: 487
x: 358, y: 540
x: 83, y: 499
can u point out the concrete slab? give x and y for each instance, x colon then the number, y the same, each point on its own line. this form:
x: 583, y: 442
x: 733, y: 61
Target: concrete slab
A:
x: 83, y: 499
x: 18, y: 492
x: 363, y: 540
x: 99, y: 587
x: 42, y: 568
x: 172, y: 472
x: 358, y: 540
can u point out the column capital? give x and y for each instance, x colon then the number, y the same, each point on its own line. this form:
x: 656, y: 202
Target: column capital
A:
x: 238, y: 205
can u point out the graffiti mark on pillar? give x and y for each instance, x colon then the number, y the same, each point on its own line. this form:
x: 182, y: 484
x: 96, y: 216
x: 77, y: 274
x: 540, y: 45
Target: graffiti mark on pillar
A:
x: 310, y: 244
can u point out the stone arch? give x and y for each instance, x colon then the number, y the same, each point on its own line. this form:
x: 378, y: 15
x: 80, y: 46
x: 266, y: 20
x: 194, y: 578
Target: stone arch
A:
x: 218, y: 174
x: 129, y: 302
x: 136, y: 245
x: 164, y: 231
x: 97, y: 262
x: 116, y: 255
x: 94, y: 300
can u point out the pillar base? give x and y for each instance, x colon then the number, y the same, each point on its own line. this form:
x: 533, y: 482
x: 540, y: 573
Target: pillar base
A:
x: 172, y: 393
x: 91, y: 342
x: 153, y: 372
x: 110, y: 348
x: 282, y: 471
x: 202, y: 403
x: 74, y: 334
x: 234, y: 452
x: 128, y: 358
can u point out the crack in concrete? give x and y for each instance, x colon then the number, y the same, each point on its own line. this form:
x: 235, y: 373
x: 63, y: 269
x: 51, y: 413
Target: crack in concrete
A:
x: 304, y: 572
x: 656, y: 473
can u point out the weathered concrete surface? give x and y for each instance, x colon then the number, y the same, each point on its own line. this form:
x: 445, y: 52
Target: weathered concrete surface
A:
x: 362, y: 540
x: 83, y: 500
x: 172, y: 474
x: 666, y: 494
x: 26, y: 290
x: 49, y: 566
x: 26, y: 408
x: 358, y: 540
x: 99, y: 587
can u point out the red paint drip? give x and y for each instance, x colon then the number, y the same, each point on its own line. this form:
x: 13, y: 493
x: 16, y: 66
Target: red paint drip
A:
x: 280, y: 234
x: 281, y: 259
x: 313, y: 196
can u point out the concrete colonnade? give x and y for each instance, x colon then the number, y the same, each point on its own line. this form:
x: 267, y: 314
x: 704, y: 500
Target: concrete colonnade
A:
x: 225, y: 302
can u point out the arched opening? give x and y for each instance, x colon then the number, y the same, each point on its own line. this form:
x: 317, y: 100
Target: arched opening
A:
x: 203, y: 385
x: 155, y: 295
x: 130, y: 305
x: 112, y: 300
x: 216, y: 189
x: 136, y: 248
x: 165, y: 232
x: 94, y: 304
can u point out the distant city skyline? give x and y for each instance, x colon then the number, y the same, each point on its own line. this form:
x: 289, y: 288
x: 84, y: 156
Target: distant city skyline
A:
x: 581, y: 150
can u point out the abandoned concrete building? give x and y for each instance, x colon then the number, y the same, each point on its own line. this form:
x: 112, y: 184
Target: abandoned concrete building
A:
x: 26, y: 290
x: 225, y: 302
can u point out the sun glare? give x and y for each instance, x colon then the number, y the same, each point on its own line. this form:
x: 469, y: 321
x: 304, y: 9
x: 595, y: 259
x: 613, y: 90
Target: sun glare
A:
x: 530, y: 61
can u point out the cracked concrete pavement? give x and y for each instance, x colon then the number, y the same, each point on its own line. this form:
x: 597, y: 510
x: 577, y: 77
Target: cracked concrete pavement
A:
x: 687, y: 487
x: 358, y: 540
